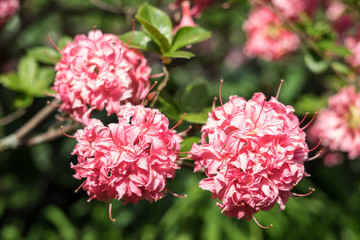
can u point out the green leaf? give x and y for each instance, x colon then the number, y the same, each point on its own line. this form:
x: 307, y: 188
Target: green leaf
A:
x: 168, y: 108
x: 27, y: 71
x: 189, y: 35
x: 310, y: 103
x: 11, y: 81
x: 63, y: 41
x: 44, y: 78
x: 157, y: 24
x: 45, y: 55
x: 139, y: 40
x: 341, y: 67
x: 332, y: 46
x: 315, y: 63
x: 198, y: 117
x: 23, y: 101
x: 186, y: 145
x: 194, y: 97
x: 58, y: 218
x: 179, y: 54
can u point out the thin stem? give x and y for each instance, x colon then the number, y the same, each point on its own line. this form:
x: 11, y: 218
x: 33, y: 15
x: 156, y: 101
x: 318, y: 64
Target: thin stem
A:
x: 12, y: 117
x: 162, y: 85
x: 40, y: 116
x: 51, y: 134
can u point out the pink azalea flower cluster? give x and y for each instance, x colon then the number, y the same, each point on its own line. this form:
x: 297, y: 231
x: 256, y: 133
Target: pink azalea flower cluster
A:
x: 253, y: 154
x: 7, y: 9
x: 267, y: 36
x: 129, y: 160
x: 99, y: 71
x: 338, y: 126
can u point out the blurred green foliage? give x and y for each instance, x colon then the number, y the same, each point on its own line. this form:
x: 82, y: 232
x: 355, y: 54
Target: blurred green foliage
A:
x: 37, y: 199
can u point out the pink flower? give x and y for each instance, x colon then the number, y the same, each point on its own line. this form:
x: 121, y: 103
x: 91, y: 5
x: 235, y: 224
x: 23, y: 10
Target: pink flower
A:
x: 130, y: 160
x: 198, y: 6
x: 335, y: 12
x: 267, y: 36
x: 7, y: 9
x: 290, y: 9
x: 353, y: 45
x: 186, y: 18
x: 99, y: 71
x: 253, y: 154
x: 338, y: 126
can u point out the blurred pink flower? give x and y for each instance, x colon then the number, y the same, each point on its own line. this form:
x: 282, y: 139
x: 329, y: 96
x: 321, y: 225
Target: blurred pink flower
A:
x: 198, y: 6
x: 7, y: 9
x: 129, y: 160
x: 353, y: 45
x: 98, y: 71
x: 335, y: 12
x: 186, y: 18
x: 267, y: 36
x: 253, y: 154
x: 290, y: 9
x: 338, y: 126
x: 332, y: 159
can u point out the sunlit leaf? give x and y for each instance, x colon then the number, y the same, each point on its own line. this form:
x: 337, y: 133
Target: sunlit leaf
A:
x: 157, y: 24
x: 189, y: 35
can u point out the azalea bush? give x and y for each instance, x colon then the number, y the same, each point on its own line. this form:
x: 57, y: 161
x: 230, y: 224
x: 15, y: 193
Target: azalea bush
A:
x: 199, y: 119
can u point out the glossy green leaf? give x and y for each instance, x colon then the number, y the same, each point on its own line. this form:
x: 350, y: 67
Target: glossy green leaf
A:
x: 315, y: 63
x: 45, y: 55
x: 27, y: 71
x: 179, y: 54
x: 186, y: 145
x: 189, y: 35
x: 167, y: 107
x: 44, y: 78
x: 193, y: 97
x: 157, y: 24
x: 139, y: 40
x: 198, y: 117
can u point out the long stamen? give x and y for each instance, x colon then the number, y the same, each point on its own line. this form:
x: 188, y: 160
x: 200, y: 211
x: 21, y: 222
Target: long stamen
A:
x: 132, y: 33
x: 53, y: 105
x: 303, y: 128
x: 157, y: 75
x: 50, y: 57
x: 53, y: 44
x: 142, y: 102
x: 316, y: 155
x: 222, y: 105
x: 110, y: 205
x: 260, y: 224
x: 320, y: 141
x: 304, y: 195
x: 178, y: 122
x: 80, y: 186
x: 307, y: 113
x: 213, y: 104
x: 262, y: 107
x: 67, y: 135
x: 278, y: 91
x: 175, y: 194
x: 184, y: 132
